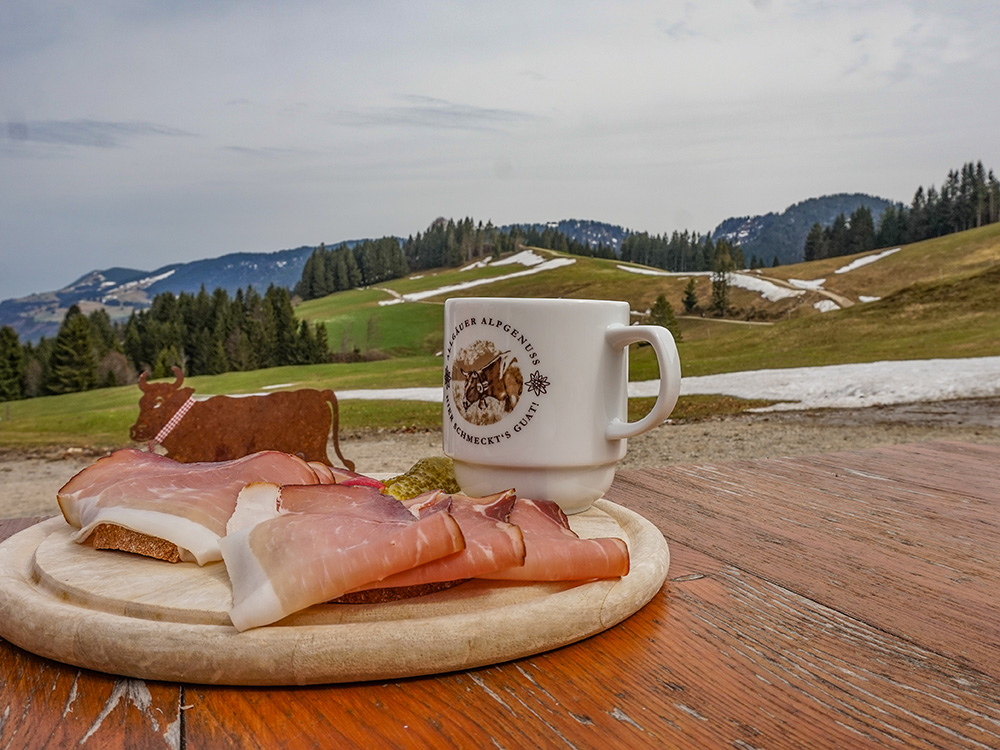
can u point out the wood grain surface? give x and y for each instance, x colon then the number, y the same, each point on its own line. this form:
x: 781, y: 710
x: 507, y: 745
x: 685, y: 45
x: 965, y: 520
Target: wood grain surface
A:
x: 812, y: 603
x: 912, y: 554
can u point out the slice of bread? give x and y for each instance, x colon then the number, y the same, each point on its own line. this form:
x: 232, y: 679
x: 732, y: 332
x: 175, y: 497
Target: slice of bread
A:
x: 380, y: 596
x: 110, y: 536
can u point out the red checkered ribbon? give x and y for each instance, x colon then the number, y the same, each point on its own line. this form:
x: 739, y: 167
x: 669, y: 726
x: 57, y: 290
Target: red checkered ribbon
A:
x: 173, y: 421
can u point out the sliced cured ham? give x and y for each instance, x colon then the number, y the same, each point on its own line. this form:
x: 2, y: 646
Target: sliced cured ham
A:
x: 553, y: 552
x: 183, y: 504
x: 334, y: 475
x: 324, y: 474
x: 491, y: 542
x: 321, y: 542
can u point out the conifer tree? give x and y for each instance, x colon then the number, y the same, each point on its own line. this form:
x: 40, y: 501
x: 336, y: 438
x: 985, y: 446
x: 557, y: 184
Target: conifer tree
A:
x: 722, y: 266
x: 166, y: 359
x: 72, y: 365
x: 11, y: 365
x: 103, y: 333
x: 662, y: 314
x: 815, y: 247
x: 690, y: 296
x: 860, y: 232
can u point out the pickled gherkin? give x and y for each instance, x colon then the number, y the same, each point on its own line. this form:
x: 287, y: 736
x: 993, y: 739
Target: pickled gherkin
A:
x: 437, y: 473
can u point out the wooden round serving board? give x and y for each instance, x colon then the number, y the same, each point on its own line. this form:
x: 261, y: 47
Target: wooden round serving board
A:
x: 138, y: 617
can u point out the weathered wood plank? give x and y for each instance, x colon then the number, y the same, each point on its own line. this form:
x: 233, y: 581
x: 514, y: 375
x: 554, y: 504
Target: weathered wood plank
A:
x: 48, y: 705
x: 869, y: 534
x: 44, y: 704
x: 966, y: 469
x: 720, y: 659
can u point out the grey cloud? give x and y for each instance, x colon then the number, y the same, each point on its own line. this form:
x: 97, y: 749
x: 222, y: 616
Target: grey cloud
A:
x: 95, y: 133
x: 678, y: 29
x: 267, y: 151
x: 426, y: 111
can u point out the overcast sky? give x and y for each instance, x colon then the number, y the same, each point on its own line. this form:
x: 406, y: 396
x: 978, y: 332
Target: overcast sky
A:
x: 141, y: 133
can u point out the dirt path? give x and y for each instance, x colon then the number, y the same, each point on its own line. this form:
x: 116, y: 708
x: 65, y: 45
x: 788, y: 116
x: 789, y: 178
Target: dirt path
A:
x: 838, y: 298
x: 28, y: 484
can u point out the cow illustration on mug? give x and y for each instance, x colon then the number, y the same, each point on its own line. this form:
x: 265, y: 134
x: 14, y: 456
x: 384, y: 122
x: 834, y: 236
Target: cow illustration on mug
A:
x: 486, y: 383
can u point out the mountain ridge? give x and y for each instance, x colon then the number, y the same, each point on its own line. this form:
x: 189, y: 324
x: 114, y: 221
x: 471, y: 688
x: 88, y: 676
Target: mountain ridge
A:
x: 783, y: 235
x: 121, y: 291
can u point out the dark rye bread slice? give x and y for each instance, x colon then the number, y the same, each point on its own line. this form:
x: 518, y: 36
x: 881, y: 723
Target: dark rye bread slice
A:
x: 111, y: 537
x: 395, y: 593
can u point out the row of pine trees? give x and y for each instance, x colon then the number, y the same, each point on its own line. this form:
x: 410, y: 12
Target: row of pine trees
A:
x: 968, y: 198
x: 203, y: 334
x: 684, y: 252
x: 335, y: 270
x: 445, y: 243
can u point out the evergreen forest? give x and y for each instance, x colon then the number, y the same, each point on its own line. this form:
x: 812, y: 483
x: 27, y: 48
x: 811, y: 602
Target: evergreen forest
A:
x: 201, y: 333
x: 445, y: 243
x: 968, y: 198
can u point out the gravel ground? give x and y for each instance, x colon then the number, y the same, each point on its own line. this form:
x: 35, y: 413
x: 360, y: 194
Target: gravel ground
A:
x: 28, y: 483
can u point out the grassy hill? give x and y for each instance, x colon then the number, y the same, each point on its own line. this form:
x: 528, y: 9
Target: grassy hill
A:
x: 939, y: 298
x: 952, y: 256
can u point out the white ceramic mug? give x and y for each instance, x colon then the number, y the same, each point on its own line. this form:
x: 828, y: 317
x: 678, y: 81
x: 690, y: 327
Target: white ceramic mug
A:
x: 536, y: 394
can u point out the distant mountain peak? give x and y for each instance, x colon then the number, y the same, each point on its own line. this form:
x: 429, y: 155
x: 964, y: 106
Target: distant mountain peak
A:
x: 587, y: 231
x: 783, y: 235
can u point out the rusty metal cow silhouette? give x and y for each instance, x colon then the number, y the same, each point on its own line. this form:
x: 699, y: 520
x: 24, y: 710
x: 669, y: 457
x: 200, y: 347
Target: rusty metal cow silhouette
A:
x: 221, y: 428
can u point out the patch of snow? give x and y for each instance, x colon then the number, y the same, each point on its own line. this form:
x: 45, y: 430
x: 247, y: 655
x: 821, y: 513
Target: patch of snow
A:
x: 478, y: 264
x: 834, y: 386
x: 768, y: 290
x: 852, y: 386
x: 812, y: 284
x: 524, y: 258
x: 402, y: 394
x: 826, y: 305
x: 654, y: 272
x: 865, y: 298
x: 145, y: 282
x: 129, y: 286
x: 397, y: 298
x: 866, y: 260
x: 643, y: 271
x: 547, y: 265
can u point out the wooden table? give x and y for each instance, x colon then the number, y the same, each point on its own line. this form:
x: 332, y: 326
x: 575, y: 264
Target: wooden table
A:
x: 843, y: 600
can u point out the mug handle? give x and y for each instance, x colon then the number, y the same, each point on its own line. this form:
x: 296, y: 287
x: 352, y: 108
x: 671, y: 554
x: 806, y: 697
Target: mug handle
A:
x: 619, y: 336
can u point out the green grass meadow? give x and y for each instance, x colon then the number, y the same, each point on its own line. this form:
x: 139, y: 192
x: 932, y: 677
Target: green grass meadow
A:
x: 939, y: 298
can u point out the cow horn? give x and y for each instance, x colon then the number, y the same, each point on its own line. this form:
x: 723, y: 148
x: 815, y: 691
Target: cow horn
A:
x: 179, y: 374
x: 142, y: 380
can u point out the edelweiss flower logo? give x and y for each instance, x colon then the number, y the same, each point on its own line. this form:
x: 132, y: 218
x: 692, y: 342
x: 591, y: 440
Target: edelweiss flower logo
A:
x: 537, y: 383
